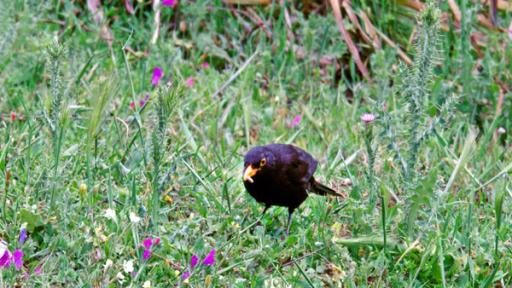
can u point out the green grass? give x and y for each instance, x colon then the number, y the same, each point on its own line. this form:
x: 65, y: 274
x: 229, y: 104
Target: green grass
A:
x: 65, y: 161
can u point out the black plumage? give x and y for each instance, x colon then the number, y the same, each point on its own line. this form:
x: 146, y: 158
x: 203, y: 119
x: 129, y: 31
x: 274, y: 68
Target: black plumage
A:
x: 281, y: 175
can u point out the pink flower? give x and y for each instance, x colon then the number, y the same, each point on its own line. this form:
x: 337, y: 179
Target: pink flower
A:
x: 296, y: 121
x: 185, y: 275
x: 17, y: 256
x: 367, y: 118
x: 190, y: 82
x: 169, y: 3
x: 13, y: 116
x: 132, y: 105
x: 5, y: 260
x: 193, y: 261
x: 157, y: 74
x: 146, y: 254
x: 209, y: 260
x: 37, y: 271
x: 205, y: 65
x: 156, y: 241
x: 148, y: 242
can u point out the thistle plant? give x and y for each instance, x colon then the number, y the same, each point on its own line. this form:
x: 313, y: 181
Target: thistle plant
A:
x: 54, y: 53
x: 407, y: 129
x: 167, y: 97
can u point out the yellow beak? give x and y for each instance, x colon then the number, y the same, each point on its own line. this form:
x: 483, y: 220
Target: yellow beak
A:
x: 249, y: 173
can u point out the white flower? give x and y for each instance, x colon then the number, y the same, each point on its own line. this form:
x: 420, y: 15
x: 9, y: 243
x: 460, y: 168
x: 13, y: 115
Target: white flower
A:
x: 502, y: 130
x: 120, y: 276
x: 128, y: 266
x: 3, y: 247
x: 110, y: 214
x: 134, y: 218
x: 147, y: 284
x: 108, y: 264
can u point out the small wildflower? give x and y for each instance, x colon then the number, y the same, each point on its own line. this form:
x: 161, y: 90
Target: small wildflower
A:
x: 120, y: 276
x: 205, y: 65
x: 168, y: 199
x: 144, y: 101
x: 148, y: 242
x: 147, y: 284
x: 185, y: 275
x: 82, y: 188
x: 128, y: 266
x: 23, y: 236
x: 38, y: 269
x: 176, y: 273
x: 17, y: 257
x: 367, y: 118
x: 501, y: 130
x: 156, y: 241
x: 5, y: 259
x: 132, y: 105
x: 146, y: 254
x: 169, y: 3
x: 157, y: 74
x: 190, y: 82
x: 134, y: 218
x: 13, y: 116
x: 193, y: 261
x: 108, y: 264
x: 296, y: 121
x: 110, y: 214
x: 209, y: 260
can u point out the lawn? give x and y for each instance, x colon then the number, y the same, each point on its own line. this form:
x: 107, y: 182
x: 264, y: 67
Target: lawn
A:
x: 124, y: 127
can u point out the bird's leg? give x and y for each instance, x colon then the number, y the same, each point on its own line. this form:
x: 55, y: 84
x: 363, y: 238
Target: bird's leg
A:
x: 290, y: 212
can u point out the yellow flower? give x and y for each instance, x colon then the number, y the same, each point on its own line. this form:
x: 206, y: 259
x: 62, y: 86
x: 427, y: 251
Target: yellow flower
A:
x: 82, y: 188
x: 168, y: 199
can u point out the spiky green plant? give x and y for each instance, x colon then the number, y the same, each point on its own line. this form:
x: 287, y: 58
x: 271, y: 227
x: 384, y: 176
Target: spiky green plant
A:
x: 55, y: 52
x: 164, y: 106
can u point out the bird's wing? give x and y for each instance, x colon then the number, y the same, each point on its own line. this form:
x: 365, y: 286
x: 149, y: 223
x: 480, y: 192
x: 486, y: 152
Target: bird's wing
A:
x: 300, y: 165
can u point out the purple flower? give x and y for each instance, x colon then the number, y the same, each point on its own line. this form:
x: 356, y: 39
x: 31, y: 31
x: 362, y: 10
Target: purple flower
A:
x: 296, y: 121
x: 169, y: 3
x: 148, y: 242
x: 18, y: 258
x: 367, y: 118
x: 185, y: 275
x: 193, y: 261
x: 147, y: 254
x: 157, y: 73
x: 5, y: 260
x: 209, y: 260
x: 144, y: 101
x: 23, y: 236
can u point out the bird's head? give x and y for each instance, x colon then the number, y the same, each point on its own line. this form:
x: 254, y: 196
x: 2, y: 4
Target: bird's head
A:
x: 256, y: 161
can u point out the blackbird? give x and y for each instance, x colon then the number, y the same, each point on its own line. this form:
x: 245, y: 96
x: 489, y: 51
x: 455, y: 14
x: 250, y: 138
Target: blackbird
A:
x: 281, y: 175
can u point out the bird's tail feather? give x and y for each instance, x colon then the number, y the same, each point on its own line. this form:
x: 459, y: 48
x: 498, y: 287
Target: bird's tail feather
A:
x: 323, y: 190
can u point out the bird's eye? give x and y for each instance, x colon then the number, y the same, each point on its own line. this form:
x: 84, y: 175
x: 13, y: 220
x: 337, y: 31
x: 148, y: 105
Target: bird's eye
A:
x: 263, y: 162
